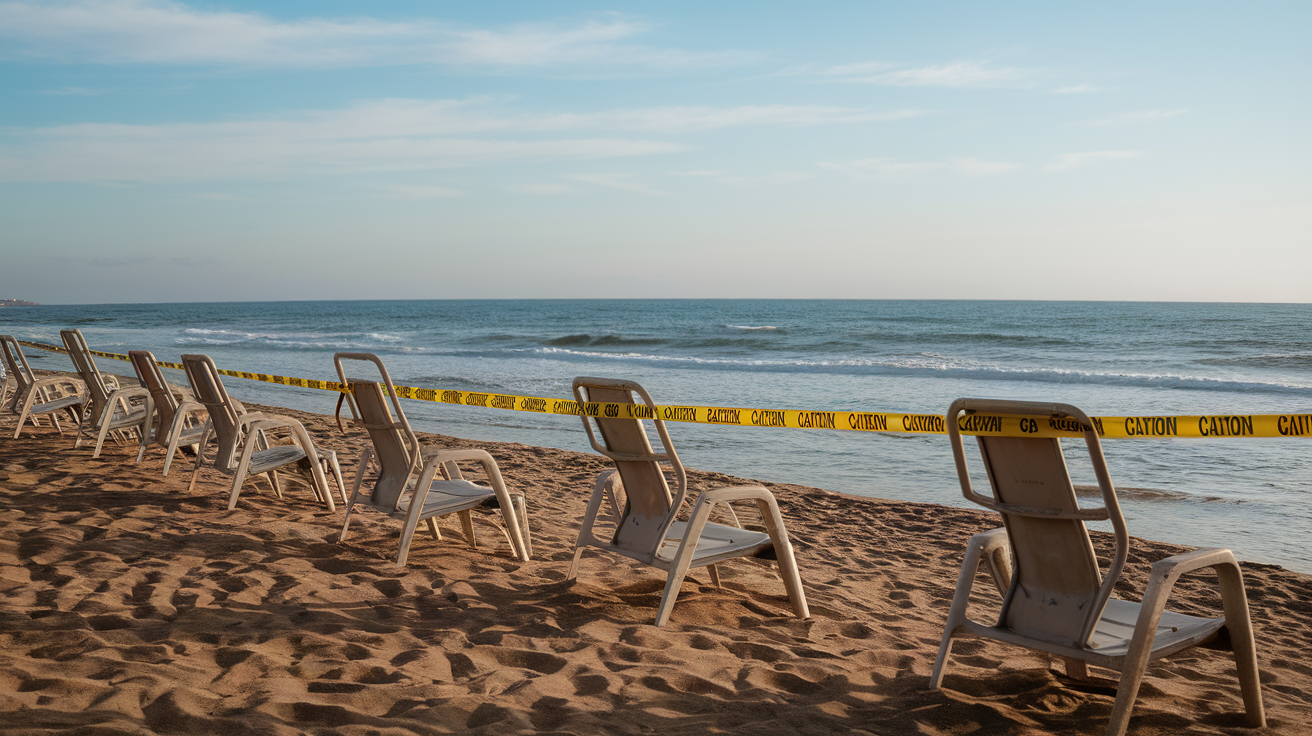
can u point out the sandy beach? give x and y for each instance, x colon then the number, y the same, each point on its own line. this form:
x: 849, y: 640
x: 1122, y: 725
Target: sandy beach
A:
x: 133, y: 606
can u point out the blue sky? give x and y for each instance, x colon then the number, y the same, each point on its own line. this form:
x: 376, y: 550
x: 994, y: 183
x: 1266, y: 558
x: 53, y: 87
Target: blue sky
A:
x: 173, y: 151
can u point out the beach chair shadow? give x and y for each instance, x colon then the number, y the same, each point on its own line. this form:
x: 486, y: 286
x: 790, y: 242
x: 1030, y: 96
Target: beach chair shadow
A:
x: 113, y: 410
x: 648, y: 528
x: 421, y: 484
x: 33, y: 397
x: 1056, y: 598
x: 171, y: 423
x: 234, y: 428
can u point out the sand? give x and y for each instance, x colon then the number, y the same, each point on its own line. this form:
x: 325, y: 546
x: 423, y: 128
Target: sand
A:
x: 132, y: 606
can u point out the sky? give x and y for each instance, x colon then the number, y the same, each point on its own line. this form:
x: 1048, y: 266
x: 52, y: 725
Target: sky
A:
x: 162, y: 151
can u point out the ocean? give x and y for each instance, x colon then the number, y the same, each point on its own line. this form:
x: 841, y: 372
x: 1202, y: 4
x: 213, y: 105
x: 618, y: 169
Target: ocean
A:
x: 1109, y: 358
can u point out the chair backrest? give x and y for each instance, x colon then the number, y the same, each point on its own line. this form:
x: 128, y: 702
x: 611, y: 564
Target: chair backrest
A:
x: 1057, y: 591
x: 16, y: 364
x: 224, y: 413
x: 161, y: 396
x: 85, y: 365
x: 649, y: 508
x: 396, y: 446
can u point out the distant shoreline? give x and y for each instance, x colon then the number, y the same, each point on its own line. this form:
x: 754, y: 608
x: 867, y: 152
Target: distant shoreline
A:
x: 17, y: 303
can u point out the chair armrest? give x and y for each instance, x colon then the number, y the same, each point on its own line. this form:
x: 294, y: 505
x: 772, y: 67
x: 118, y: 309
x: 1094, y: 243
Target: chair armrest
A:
x: 189, y: 406
x: 126, y: 395
x: 735, y: 493
x: 1177, y: 565
x: 271, y: 421
x: 443, y: 455
x: 73, y: 383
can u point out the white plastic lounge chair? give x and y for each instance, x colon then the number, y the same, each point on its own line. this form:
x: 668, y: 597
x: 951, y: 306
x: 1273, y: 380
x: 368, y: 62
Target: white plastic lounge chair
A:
x: 171, y: 423
x: 34, y: 397
x: 416, y: 483
x: 1056, y: 599
x: 648, y: 527
x: 112, y: 409
x: 234, y: 428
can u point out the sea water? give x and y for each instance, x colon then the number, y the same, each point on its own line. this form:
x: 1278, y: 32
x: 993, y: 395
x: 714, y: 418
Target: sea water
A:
x: 1111, y: 359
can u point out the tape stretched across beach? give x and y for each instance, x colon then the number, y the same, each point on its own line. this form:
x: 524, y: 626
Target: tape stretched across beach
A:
x: 1202, y: 426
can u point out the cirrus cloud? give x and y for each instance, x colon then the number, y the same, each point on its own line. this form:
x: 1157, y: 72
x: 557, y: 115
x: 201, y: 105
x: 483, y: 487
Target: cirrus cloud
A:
x: 171, y: 32
x: 375, y: 135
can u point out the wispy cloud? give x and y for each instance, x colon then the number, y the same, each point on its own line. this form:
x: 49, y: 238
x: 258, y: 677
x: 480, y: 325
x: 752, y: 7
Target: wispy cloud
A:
x: 544, y: 189
x: 883, y: 166
x: 892, y: 167
x: 976, y: 167
x: 169, y: 32
x: 1133, y: 118
x: 1077, y: 89
x: 694, y: 119
x: 616, y: 181
x: 74, y: 92
x: 774, y: 178
x: 421, y: 192
x: 954, y: 74
x: 380, y: 135
x: 1074, y: 160
x: 218, y: 196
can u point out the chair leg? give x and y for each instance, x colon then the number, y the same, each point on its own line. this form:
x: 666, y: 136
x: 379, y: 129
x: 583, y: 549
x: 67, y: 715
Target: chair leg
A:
x: 467, y: 526
x: 145, y: 440
x: 979, y: 546
x: 602, y: 490
x: 774, y: 524
x: 432, y: 529
x: 574, y: 566
x: 346, y: 523
x: 422, y: 485
x: 200, y: 456
x: 195, y: 472
x: 523, y: 526
x: 365, y: 456
x: 22, y: 414
x: 678, y: 571
x: 1235, y: 604
x: 77, y: 440
x: 1136, y: 658
x: 100, y: 436
x: 407, y: 535
x: 1076, y: 668
x: 330, y: 456
x: 240, y: 476
x: 715, y: 574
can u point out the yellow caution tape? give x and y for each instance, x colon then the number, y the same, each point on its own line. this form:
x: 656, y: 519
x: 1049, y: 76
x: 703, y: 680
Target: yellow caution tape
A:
x: 1132, y: 427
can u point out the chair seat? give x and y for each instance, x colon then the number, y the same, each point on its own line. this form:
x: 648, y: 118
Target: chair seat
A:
x: 717, y: 542
x: 273, y: 458
x: 188, y: 436
x: 51, y: 407
x: 1176, y: 631
x: 447, y: 497
x: 132, y: 419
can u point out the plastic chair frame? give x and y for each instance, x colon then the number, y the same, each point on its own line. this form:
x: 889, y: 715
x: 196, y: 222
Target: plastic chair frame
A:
x: 427, y: 466
x: 993, y: 550
x: 684, y: 558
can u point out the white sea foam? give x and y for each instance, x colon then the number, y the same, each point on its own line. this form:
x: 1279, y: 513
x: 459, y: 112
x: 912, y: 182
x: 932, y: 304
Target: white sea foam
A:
x: 942, y: 365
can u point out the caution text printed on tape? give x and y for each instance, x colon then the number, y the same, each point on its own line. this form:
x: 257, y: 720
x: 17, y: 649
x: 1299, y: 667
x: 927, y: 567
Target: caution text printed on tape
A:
x: 1128, y: 427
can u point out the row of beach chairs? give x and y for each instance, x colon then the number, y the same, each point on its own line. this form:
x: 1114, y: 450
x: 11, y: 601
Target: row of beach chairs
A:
x: 1056, y: 597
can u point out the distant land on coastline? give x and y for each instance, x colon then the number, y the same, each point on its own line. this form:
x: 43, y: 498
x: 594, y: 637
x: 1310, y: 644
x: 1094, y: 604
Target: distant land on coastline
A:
x: 17, y: 303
